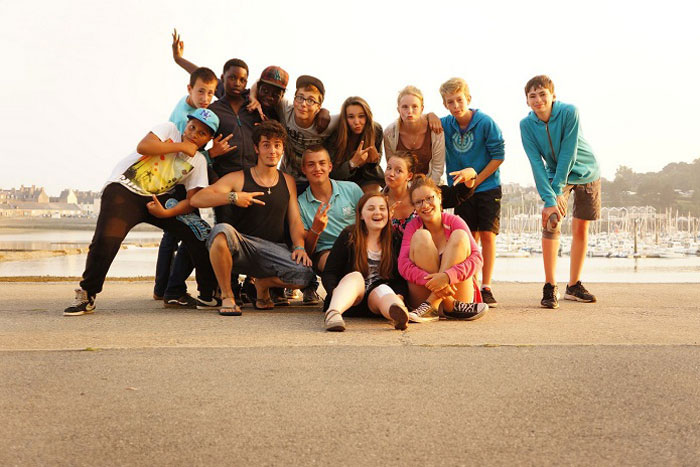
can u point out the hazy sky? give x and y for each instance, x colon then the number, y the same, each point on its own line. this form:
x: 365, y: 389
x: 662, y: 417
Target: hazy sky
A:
x: 84, y: 81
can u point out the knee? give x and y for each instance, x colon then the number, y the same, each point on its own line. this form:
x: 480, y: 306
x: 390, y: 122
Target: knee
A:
x: 422, y: 239
x: 460, y: 238
x: 355, y: 277
x: 219, y: 246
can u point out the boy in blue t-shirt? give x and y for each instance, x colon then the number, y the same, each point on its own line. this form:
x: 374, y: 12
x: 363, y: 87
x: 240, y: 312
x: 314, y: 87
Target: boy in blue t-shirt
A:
x: 472, y: 139
x: 562, y: 162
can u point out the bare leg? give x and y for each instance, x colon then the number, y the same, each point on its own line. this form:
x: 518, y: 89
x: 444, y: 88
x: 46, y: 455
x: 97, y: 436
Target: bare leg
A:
x: 550, y: 248
x: 321, y: 266
x: 371, y: 188
x: 222, y: 263
x: 424, y: 254
x: 488, y: 250
x: 579, y: 245
x: 262, y: 286
x: 457, y: 250
x: 348, y: 292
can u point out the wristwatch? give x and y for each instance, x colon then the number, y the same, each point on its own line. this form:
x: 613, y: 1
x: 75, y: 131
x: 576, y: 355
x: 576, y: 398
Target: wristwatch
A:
x: 232, y: 197
x: 352, y: 164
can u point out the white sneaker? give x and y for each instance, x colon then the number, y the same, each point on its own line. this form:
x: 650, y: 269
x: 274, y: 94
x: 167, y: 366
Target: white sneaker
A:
x: 334, y: 321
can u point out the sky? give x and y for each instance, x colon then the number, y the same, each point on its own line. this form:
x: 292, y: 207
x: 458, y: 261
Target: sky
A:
x: 84, y: 81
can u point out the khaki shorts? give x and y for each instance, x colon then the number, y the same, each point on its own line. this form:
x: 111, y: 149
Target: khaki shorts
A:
x: 586, y: 204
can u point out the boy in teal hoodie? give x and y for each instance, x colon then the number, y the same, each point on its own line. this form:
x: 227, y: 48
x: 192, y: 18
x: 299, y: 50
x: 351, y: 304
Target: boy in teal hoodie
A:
x: 562, y: 161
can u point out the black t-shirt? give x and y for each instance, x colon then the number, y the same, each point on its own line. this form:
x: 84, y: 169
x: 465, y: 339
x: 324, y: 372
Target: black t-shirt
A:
x: 241, y: 127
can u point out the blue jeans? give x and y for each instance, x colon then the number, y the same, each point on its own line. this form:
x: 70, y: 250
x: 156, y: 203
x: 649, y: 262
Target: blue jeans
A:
x: 171, y: 275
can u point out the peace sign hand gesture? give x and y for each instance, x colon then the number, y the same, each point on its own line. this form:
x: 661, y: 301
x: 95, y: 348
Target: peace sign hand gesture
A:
x: 360, y: 157
x: 321, y: 217
x: 246, y: 198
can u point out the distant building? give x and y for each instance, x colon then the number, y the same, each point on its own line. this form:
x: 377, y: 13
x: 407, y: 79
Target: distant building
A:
x: 34, y: 202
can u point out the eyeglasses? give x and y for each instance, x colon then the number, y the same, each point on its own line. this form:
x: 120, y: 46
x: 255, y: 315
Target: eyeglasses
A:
x: 309, y: 101
x: 428, y: 199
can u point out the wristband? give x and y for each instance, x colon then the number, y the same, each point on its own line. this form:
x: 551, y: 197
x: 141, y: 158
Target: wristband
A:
x: 299, y: 248
x: 318, y: 234
x: 351, y: 164
x: 232, y: 197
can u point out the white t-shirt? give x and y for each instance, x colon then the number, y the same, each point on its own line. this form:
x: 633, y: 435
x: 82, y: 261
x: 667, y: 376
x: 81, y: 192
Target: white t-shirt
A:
x: 155, y: 175
x: 299, y: 139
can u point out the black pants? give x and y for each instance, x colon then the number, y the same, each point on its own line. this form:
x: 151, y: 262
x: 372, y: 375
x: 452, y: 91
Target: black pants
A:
x: 120, y: 211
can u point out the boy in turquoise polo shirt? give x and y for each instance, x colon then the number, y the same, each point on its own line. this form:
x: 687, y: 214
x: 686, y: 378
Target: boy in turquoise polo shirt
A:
x: 562, y: 161
x: 327, y: 206
x: 472, y: 139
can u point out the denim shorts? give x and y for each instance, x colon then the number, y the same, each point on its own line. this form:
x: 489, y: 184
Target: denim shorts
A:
x: 261, y: 258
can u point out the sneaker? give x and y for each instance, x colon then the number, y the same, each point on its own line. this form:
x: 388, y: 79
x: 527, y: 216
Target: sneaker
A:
x: 212, y: 303
x: 423, y: 314
x: 334, y: 321
x: 467, y: 311
x: 550, y: 296
x: 311, y: 297
x: 488, y: 297
x: 278, y: 297
x: 579, y: 293
x: 399, y: 316
x: 185, y: 301
x: 83, y: 304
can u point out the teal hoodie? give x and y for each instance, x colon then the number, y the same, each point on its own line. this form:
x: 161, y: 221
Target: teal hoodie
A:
x: 558, y: 152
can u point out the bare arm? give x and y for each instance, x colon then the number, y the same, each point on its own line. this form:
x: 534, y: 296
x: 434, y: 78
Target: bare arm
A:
x: 183, y: 207
x: 488, y: 170
x: 151, y: 145
x: 218, y: 193
x: 178, y: 50
x: 296, y: 226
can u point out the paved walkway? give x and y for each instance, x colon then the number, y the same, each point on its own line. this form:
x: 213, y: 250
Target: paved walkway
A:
x: 612, y: 383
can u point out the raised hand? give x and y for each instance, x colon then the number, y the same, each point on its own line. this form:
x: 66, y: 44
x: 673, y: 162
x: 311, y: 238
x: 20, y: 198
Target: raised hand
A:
x: 221, y: 146
x: 466, y: 176
x: 372, y: 154
x: 156, y: 209
x: 321, y: 217
x: 246, y: 198
x: 178, y: 45
x: 360, y: 157
x: 253, y: 105
x: 322, y: 120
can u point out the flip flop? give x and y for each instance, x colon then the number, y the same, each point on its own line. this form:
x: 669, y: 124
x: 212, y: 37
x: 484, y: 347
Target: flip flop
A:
x: 265, y: 304
x: 229, y: 308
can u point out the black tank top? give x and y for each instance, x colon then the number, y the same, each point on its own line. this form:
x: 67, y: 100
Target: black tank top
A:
x: 268, y: 221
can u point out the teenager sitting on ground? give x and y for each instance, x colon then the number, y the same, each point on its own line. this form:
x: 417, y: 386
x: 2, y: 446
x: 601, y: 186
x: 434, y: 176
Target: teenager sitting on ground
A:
x: 327, y: 206
x: 361, y: 272
x: 439, y: 259
x: 136, y: 192
x: 356, y: 146
x: 264, y: 202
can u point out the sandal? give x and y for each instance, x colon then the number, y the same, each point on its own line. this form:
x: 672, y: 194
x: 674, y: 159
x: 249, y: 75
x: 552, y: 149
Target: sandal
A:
x: 229, y: 308
x: 334, y: 321
x: 264, y: 304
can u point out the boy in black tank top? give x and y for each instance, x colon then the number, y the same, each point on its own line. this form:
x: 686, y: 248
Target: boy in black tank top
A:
x: 251, y: 239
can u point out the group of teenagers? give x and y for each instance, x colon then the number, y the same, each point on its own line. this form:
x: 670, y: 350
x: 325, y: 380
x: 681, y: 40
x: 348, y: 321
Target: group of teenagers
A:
x: 299, y: 193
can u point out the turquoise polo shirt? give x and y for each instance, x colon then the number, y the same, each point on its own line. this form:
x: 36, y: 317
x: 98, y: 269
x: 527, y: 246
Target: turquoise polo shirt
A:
x: 341, y: 214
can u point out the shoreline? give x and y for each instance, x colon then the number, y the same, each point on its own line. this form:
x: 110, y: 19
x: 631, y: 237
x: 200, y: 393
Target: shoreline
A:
x: 7, y: 256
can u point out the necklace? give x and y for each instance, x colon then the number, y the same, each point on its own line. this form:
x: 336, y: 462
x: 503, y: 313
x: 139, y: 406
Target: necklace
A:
x: 257, y: 175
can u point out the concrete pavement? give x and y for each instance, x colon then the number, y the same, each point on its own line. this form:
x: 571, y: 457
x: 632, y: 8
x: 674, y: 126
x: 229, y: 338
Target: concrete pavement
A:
x: 612, y: 383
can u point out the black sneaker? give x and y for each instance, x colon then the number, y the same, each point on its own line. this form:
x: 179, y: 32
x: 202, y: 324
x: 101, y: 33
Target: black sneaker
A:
x: 210, y: 304
x: 550, y: 296
x: 83, y: 304
x: 185, y: 301
x: 467, y: 311
x: 311, y: 297
x: 488, y: 297
x: 579, y: 293
x: 278, y: 296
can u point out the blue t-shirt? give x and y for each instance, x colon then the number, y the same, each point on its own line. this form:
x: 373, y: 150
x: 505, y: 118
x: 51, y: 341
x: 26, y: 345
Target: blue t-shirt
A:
x: 341, y: 214
x: 474, y: 147
x: 179, y: 114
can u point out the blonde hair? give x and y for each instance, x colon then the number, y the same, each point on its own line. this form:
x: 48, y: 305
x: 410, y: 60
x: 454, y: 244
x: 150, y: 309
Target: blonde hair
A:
x: 454, y: 86
x: 410, y: 91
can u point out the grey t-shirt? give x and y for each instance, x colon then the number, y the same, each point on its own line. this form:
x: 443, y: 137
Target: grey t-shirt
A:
x: 299, y: 139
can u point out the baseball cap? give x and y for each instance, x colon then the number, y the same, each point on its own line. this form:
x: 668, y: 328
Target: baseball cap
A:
x: 305, y: 80
x: 275, y: 76
x: 207, y: 117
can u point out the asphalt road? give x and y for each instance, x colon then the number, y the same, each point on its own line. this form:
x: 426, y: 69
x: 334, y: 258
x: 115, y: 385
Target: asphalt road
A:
x: 612, y: 383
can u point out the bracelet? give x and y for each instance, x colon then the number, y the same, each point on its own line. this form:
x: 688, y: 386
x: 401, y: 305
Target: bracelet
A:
x: 299, y: 248
x: 318, y: 234
x: 232, y: 197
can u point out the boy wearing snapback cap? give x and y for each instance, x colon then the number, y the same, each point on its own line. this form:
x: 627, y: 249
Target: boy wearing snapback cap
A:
x: 164, y: 158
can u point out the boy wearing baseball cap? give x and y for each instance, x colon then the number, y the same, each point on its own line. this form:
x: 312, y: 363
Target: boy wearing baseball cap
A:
x: 135, y: 193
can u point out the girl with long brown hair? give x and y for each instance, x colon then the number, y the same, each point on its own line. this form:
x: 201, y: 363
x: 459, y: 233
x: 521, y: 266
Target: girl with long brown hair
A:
x: 356, y: 146
x: 361, y: 271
